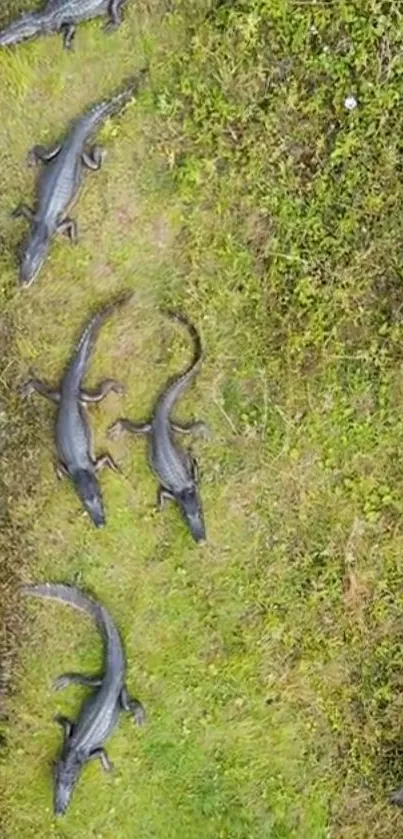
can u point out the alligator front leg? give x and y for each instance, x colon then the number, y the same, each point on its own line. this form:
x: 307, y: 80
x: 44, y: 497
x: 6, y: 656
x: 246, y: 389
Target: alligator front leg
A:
x: 61, y: 470
x: 120, y: 425
x: 106, y: 460
x: 23, y: 211
x: 93, y: 159
x: 68, y: 227
x: 163, y: 495
x: 32, y: 385
x: 66, y: 725
x: 195, y: 427
x: 101, y: 391
x: 40, y: 154
x: 67, y: 679
x: 132, y: 706
x: 101, y: 755
x: 115, y: 8
x: 68, y: 31
x: 193, y: 467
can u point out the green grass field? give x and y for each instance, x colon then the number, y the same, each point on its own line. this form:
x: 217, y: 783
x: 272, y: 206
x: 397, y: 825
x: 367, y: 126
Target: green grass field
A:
x: 239, y: 188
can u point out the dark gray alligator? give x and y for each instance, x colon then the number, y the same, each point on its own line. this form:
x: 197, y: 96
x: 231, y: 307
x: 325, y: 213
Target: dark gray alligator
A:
x: 73, y: 438
x: 84, y: 739
x: 60, y: 16
x: 175, y: 468
x: 60, y: 181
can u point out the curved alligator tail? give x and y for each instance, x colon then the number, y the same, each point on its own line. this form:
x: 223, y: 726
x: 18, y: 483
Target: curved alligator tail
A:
x: 193, y: 332
x: 86, y: 342
x: 74, y: 597
x: 180, y: 382
x: 109, y: 107
x: 66, y: 594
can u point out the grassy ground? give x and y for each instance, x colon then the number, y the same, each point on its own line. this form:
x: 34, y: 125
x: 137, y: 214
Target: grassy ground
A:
x: 241, y: 189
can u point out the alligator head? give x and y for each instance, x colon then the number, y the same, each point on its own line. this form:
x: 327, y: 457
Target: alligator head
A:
x: 89, y: 491
x: 34, y: 253
x: 192, y: 512
x: 65, y: 773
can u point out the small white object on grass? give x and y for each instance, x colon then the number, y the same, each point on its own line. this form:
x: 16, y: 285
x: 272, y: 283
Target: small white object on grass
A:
x: 350, y: 103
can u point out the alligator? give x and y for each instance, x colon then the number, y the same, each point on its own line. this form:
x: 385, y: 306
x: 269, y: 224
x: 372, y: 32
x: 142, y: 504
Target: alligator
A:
x: 60, y: 181
x: 61, y: 16
x: 84, y: 739
x: 175, y: 468
x: 73, y: 439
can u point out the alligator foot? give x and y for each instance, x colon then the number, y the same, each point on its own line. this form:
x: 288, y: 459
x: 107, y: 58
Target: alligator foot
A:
x: 40, y: 154
x: 120, y: 425
x: 101, y: 391
x: 100, y: 754
x: 68, y: 31
x: 132, y: 706
x: 195, y: 427
x: 67, y: 679
x: 93, y: 159
x: 106, y: 460
x: 163, y: 495
x: 68, y: 227
x: 61, y: 470
x: 23, y: 211
x: 36, y: 385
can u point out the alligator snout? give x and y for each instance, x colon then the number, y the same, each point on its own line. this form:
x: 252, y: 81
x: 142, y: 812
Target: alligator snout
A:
x: 33, y: 256
x: 197, y: 529
x: 89, y: 491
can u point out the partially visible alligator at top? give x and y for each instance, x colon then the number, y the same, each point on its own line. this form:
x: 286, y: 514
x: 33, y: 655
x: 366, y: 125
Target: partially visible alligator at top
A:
x: 60, y: 181
x: 73, y: 438
x: 84, y: 739
x: 175, y: 468
x: 60, y: 16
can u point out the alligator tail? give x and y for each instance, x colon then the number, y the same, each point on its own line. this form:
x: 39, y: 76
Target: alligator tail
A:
x: 109, y: 107
x: 179, y: 383
x: 86, y: 342
x: 193, y: 332
x: 76, y: 598
x: 66, y: 594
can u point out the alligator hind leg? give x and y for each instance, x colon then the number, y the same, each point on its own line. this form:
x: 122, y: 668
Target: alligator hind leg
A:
x: 68, y: 31
x: 100, y: 754
x: 195, y: 427
x: 163, y: 495
x: 23, y: 211
x: 68, y: 227
x: 40, y: 154
x: 127, y: 425
x: 133, y: 706
x: 67, y: 679
x: 32, y: 385
x: 93, y: 159
x: 106, y: 460
x: 101, y: 391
